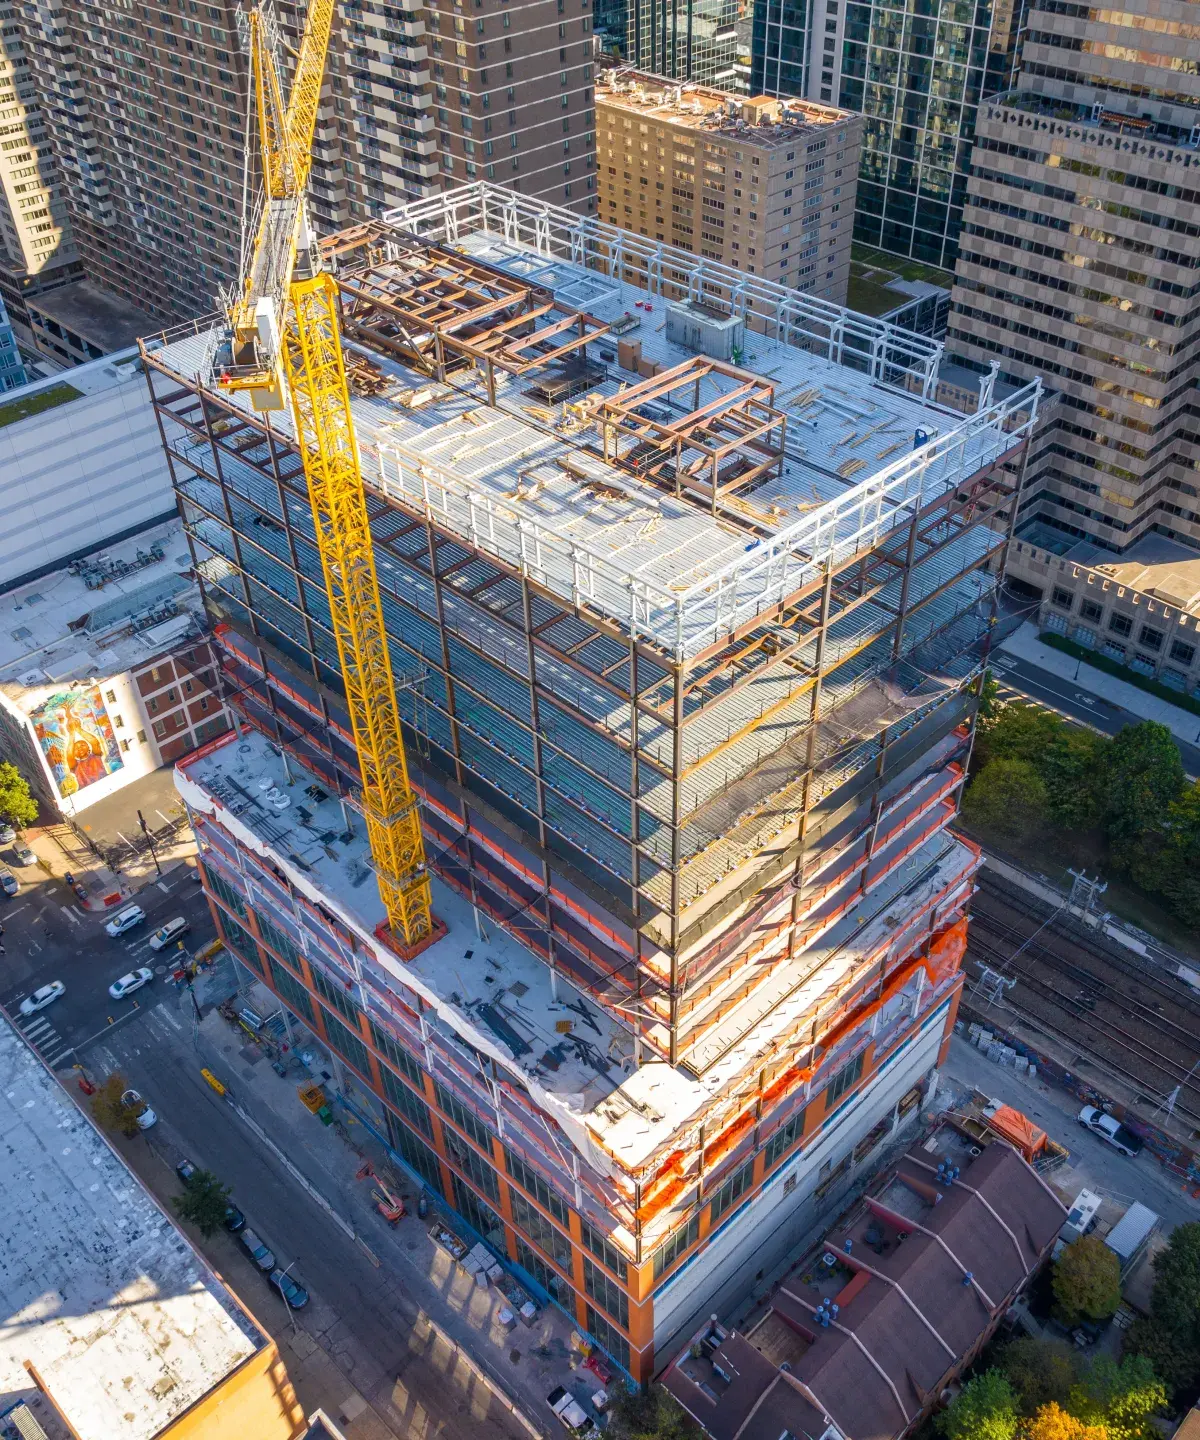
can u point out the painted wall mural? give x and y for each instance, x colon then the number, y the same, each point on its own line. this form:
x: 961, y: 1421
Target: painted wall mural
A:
x: 77, y: 739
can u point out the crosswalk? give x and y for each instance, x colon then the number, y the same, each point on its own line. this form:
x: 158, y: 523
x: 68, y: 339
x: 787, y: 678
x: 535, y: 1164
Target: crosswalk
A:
x: 45, y: 1039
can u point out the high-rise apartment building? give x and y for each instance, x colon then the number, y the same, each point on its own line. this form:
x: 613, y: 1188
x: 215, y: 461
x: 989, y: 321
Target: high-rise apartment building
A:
x: 1079, y: 263
x: 690, y: 671
x: 917, y: 72
x: 686, y: 40
x: 12, y: 369
x: 514, y: 96
x: 146, y: 109
x: 37, y: 251
x: 761, y: 184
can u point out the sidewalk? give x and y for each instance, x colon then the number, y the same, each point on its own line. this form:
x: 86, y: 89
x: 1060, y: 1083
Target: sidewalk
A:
x: 519, y: 1363
x: 1025, y: 645
x: 60, y: 853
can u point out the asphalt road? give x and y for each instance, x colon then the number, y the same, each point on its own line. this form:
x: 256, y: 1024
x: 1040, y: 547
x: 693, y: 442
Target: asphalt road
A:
x: 49, y: 936
x: 1057, y: 693
x: 362, y: 1315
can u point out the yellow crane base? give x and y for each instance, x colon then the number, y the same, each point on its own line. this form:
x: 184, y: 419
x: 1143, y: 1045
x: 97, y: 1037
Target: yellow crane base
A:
x: 385, y: 935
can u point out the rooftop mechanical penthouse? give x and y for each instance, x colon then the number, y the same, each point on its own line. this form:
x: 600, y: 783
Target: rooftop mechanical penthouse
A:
x: 685, y: 587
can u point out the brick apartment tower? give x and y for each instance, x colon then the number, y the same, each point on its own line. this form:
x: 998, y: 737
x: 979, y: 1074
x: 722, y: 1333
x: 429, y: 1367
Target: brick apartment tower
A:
x: 1078, y: 263
x: 514, y: 96
x: 37, y: 250
x: 702, y: 827
x: 764, y: 185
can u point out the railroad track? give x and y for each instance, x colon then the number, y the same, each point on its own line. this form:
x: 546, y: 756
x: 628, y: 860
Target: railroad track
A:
x: 1099, y: 1012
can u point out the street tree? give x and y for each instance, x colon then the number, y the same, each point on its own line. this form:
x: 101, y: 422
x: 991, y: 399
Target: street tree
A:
x: 1017, y: 732
x: 1007, y: 797
x: 1170, y: 1336
x: 1143, y: 777
x: 651, y: 1414
x: 984, y: 1409
x: 110, y: 1110
x: 1052, y: 1422
x: 1124, y: 1397
x: 17, y: 805
x: 203, y: 1202
x: 1041, y: 1371
x: 1086, y: 1281
x: 1073, y: 768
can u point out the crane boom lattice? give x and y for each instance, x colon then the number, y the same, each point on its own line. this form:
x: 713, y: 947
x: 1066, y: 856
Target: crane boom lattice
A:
x: 284, y: 336
x: 316, y: 375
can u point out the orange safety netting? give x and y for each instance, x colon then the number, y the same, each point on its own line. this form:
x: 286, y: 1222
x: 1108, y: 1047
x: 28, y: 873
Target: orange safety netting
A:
x: 947, y: 950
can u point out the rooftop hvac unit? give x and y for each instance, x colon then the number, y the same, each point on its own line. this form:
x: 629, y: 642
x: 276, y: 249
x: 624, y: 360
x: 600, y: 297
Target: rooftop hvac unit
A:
x: 706, y: 331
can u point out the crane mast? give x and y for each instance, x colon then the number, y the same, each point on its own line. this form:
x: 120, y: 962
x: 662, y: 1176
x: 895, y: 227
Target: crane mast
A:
x: 285, y: 348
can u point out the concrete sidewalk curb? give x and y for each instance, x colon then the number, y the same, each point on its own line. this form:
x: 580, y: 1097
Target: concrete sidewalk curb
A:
x: 494, y: 1387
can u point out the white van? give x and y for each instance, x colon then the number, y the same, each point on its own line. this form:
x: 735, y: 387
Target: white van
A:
x: 169, y: 933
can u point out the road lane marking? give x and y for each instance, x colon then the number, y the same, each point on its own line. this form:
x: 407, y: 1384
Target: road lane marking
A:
x: 166, y: 889
x: 35, y: 1027
x: 66, y: 910
x: 17, y: 910
x: 60, y: 1057
x: 33, y: 945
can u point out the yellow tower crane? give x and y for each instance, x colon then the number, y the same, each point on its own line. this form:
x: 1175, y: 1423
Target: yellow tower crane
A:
x: 285, y: 346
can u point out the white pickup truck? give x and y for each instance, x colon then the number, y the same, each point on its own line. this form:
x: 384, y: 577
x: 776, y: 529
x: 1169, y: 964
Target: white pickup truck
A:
x: 570, y: 1412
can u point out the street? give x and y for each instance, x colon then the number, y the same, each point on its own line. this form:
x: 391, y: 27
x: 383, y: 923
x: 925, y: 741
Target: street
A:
x: 361, y: 1312
x: 1019, y: 679
x: 49, y: 936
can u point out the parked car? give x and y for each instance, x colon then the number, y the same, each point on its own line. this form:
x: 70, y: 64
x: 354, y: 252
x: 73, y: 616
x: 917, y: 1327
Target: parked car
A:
x: 169, y: 933
x: 235, y: 1221
x: 261, y: 1256
x: 8, y: 881
x: 47, y: 995
x: 1109, y: 1128
x: 145, y: 1116
x: 8, y: 836
x: 129, y: 917
x: 290, y: 1288
x: 570, y: 1412
x: 23, y: 854
x: 127, y: 984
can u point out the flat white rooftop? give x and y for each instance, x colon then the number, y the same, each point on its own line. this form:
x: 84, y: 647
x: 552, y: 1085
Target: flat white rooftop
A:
x: 124, y: 1323
x: 501, y: 997
x: 860, y: 452
x: 61, y: 628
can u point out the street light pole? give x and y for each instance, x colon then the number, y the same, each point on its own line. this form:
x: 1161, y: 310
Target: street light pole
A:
x: 286, y: 1301
x: 150, y: 838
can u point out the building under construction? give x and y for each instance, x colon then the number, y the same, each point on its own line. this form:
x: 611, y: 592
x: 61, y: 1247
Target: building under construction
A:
x: 685, y: 583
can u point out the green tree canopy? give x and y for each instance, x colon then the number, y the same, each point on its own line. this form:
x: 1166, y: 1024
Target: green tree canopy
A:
x: 1170, y: 1337
x: 1040, y: 1371
x: 109, y: 1109
x: 651, y: 1414
x: 1073, y: 767
x: 984, y: 1409
x: 203, y: 1202
x: 17, y: 805
x: 1087, y: 1281
x: 1018, y: 732
x: 1007, y: 797
x: 1122, y: 1397
x: 1144, y: 777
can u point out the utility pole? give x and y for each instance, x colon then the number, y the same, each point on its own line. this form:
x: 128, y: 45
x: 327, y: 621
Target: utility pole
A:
x: 150, y: 838
x: 1085, y: 892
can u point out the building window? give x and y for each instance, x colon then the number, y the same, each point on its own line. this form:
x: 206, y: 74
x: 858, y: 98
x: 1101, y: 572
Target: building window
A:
x: 550, y: 1280
x: 731, y: 1190
x: 608, y: 1338
x: 533, y: 1184
x: 1120, y: 624
x: 335, y: 994
x: 414, y: 1109
x: 224, y: 891
x: 606, y: 1292
x: 1185, y: 654
x: 465, y: 1119
x: 670, y: 1250
x: 416, y: 1153
x: 604, y: 1249
x: 290, y: 991
x: 784, y: 1138
x: 111, y: 696
x: 1061, y: 598
x: 845, y: 1079
x: 549, y: 1240
x: 397, y: 1056
x: 1089, y: 610
x: 347, y: 1044
x: 141, y: 735
x: 1151, y: 638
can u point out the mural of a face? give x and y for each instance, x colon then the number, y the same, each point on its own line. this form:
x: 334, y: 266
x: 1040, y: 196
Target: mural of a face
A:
x: 76, y: 736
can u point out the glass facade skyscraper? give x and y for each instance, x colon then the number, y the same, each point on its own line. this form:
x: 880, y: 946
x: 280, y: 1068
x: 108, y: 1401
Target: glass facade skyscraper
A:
x: 686, y: 40
x: 917, y: 69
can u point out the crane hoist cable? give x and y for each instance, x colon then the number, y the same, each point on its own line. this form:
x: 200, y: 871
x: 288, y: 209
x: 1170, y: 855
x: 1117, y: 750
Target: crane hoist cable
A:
x: 285, y: 349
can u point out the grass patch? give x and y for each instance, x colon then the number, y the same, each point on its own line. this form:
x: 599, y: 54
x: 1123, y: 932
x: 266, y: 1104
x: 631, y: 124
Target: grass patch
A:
x: 21, y: 409
x: 1179, y: 698
x: 870, y: 298
x: 900, y: 265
